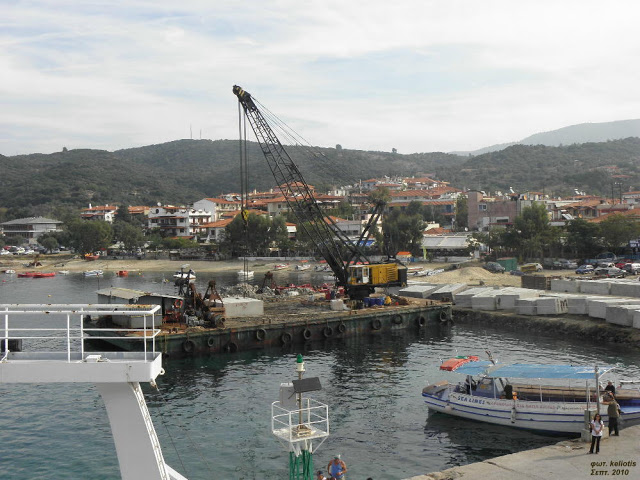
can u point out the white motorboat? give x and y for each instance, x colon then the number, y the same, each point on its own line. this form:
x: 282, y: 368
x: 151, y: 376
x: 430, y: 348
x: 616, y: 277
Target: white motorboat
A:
x: 245, y: 274
x: 281, y: 266
x: 190, y: 274
x: 555, y: 403
x: 303, y: 266
x: 63, y: 272
x: 9, y: 271
x: 93, y: 273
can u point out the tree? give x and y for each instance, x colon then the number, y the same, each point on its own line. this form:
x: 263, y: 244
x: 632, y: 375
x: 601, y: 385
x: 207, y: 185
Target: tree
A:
x: 122, y: 214
x: 49, y: 242
x: 130, y: 235
x: 617, y: 230
x: 531, y: 228
x: 583, y: 238
x: 379, y: 196
x: 402, y: 232
x: 462, y: 213
x: 87, y: 237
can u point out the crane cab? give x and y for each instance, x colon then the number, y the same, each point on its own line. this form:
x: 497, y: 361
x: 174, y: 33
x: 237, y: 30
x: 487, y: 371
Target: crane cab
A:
x: 378, y: 274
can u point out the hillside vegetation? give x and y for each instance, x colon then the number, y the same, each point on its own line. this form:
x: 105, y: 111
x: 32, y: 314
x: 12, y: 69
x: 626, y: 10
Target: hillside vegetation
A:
x: 183, y: 171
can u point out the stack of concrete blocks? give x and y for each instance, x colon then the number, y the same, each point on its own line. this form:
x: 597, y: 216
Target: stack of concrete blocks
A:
x: 463, y: 299
x: 418, y: 291
x: 243, y: 307
x: 622, y: 314
x: 595, y: 287
x: 448, y: 291
x: 564, y: 285
x: 507, y: 299
x: 551, y: 306
x: 626, y: 288
x: 597, y: 308
x: 486, y: 300
x: 526, y: 306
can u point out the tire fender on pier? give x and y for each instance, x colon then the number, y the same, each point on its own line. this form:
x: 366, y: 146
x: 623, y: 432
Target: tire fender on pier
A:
x: 327, y: 331
x: 376, y: 324
x: 231, y: 347
x: 285, y: 338
x: 188, y: 346
x: 396, y: 319
x: 211, y: 341
x: 261, y: 334
x: 443, y: 316
x: 421, y: 321
x: 342, y: 327
x: 306, y: 333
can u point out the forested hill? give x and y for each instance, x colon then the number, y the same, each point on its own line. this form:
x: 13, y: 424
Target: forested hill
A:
x: 182, y: 171
x: 592, y: 167
x: 186, y: 170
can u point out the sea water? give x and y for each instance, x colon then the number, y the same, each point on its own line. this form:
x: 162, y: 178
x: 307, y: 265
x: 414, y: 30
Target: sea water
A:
x: 212, y: 413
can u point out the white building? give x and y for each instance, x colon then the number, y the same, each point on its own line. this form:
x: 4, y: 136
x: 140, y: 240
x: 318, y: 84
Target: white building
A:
x: 185, y: 222
x: 30, y: 228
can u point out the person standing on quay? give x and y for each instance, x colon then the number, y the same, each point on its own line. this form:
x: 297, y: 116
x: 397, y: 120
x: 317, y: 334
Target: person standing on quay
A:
x: 613, y: 410
x: 597, y: 426
x: 337, y: 468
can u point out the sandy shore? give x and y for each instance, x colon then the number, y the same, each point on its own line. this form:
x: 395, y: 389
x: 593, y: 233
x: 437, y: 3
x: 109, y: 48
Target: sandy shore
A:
x: 472, y: 275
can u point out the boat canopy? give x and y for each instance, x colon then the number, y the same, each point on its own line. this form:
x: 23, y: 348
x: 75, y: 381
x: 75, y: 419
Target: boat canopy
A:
x: 519, y: 370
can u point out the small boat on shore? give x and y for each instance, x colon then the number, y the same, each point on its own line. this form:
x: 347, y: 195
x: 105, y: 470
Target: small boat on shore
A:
x: 90, y: 257
x: 303, y: 266
x: 26, y: 275
x: 281, y: 266
x: 93, y: 273
x: 181, y: 274
x: 122, y: 273
x: 244, y: 275
x: 489, y: 394
x: 9, y: 271
x: 44, y: 274
x: 63, y: 272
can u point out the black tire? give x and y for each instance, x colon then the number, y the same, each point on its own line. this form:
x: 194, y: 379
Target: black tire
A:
x: 306, y: 333
x: 443, y: 316
x: 396, y: 319
x: 261, y: 334
x: 211, y: 341
x: 376, y: 324
x: 327, y: 331
x: 421, y: 321
x: 231, y: 347
x: 342, y: 328
x: 286, y: 338
x: 188, y: 346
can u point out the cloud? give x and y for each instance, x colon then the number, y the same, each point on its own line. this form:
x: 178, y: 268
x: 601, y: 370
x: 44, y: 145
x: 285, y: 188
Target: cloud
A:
x: 413, y: 75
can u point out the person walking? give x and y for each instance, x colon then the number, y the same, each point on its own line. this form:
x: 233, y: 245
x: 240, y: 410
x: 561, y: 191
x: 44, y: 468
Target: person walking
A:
x: 613, y: 410
x: 597, y: 426
x: 337, y: 468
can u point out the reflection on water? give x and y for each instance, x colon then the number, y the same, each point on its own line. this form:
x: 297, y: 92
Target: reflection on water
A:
x: 215, y: 410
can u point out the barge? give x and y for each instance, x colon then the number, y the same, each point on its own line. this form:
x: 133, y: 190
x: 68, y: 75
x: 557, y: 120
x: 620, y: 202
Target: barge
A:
x: 285, y: 322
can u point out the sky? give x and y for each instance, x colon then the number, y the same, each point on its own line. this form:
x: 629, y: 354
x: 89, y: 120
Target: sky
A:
x: 418, y: 76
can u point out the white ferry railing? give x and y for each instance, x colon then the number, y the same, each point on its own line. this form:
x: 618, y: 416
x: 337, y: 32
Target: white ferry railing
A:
x: 74, y: 332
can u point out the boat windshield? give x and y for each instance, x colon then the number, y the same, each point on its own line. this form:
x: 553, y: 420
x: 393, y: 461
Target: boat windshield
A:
x: 518, y: 370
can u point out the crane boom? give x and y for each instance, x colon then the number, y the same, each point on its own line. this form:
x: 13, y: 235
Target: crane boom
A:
x: 334, y: 245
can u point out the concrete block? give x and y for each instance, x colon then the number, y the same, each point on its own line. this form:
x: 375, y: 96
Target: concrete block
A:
x: 597, y: 308
x: 243, y: 307
x: 551, y: 306
x: 418, y: 291
x: 463, y: 299
x: 526, y: 306
x: 622, y: 314
x: 636, y: 319
x: 564, y: 285
x: 594, y: 287
x: 484, y: 301
x: 448, y: 291
x: 507, y: 299
x: 626, y: 289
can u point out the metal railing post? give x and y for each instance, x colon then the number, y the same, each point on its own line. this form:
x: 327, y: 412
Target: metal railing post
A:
x: 68, y: 337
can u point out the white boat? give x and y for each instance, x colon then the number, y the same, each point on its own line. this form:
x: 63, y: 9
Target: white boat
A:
x: 245, y: 274
x: 303, y: 266
x: 488, y: 394
x: 93, y: 273
x: 190, y: 274
x: 116, y: 375
x: 9, y: 271
x: 63, y: 272
x: 281, y: 266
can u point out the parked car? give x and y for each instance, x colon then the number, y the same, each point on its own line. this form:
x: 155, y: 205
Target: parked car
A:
x: 632, y: 268
x: 531, y: 267
x: 610, y: 272
x: 582, y: 269
x: 5, y: 252
x: 494, y: 267
x: 606, y: 264
x: 567, y: 264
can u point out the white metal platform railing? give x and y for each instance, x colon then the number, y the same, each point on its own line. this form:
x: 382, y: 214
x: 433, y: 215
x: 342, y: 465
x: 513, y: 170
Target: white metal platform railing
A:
x: 309, y: 422
x: 61, y: 327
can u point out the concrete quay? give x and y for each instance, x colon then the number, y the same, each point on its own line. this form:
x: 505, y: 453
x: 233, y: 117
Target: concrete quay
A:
x: 619, y: 457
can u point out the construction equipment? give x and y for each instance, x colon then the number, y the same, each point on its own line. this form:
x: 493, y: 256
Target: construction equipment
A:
x: 352, y: 268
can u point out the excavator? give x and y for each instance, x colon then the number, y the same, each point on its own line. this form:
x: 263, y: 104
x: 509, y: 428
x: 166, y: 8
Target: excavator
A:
x: 351, y: 267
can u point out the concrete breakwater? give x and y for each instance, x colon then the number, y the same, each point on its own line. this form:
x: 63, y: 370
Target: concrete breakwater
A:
x: 259, y: 333
x: 576, y: 325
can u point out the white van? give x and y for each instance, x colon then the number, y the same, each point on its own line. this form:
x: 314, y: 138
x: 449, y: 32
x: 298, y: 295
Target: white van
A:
x: 633, y: 268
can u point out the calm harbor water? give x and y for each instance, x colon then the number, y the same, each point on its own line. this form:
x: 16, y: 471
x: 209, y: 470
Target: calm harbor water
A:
x: 213, y: 413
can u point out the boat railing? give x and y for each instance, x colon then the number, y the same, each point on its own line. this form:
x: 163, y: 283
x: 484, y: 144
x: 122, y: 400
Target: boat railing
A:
x: 61, y: 328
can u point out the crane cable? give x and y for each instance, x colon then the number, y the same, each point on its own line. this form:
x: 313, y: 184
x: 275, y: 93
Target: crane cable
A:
x: 244, y: 181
